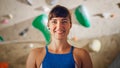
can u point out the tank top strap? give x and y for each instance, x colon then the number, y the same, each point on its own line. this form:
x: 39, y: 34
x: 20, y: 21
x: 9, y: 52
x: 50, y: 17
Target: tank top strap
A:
x: 71, y: 50
x: 46, y: 49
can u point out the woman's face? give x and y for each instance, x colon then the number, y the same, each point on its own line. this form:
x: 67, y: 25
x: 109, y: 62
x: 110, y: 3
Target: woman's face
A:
x: 59, y: 27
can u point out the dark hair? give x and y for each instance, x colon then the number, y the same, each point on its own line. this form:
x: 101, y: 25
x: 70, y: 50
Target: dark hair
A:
x: 59, y: 11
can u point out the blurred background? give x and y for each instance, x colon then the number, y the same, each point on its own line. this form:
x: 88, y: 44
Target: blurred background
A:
x: 101, y: 38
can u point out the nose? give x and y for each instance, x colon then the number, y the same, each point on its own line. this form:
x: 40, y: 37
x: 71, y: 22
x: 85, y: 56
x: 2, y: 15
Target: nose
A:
x: 59, y: 25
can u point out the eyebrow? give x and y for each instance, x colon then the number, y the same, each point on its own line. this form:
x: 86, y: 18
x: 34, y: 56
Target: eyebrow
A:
x: 60, y: 18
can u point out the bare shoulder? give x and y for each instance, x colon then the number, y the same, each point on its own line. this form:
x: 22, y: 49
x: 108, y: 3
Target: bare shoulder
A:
x: 38, y: 50
x: 33, y: 60
x: 80, y: 51
x: 35, y: 52
x: 83, y: 56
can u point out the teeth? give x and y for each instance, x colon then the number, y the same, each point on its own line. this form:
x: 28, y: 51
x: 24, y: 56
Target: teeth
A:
x: 60, y: 31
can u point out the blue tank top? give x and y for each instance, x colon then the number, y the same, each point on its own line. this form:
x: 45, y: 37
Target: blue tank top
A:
x: 58, y: 60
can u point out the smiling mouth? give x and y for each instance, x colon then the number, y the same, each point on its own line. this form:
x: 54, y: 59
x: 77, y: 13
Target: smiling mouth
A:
x: 60, y: 31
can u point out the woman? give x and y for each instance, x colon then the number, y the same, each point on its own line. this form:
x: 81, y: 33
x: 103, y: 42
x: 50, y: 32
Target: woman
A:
x: 59, y: 53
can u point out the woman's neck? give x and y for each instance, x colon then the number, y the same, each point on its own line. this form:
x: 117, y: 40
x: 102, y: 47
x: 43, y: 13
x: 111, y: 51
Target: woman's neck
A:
x: 59, y: 45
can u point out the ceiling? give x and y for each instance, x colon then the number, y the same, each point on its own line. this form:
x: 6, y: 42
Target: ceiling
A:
x: 104, y: 14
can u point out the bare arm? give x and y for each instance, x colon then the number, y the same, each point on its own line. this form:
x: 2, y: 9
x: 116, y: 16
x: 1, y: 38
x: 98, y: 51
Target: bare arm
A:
x: 86, y: 60
x: 35, y: 58
x: 82, y: 58
x: 31, y: 60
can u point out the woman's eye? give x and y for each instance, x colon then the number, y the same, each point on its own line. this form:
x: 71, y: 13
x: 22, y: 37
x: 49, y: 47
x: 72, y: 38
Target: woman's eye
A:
x: 64, y: 22
x: 54, y: 22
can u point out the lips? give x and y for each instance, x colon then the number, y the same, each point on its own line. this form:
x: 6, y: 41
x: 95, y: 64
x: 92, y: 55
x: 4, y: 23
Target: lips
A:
x: 60, y: 31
